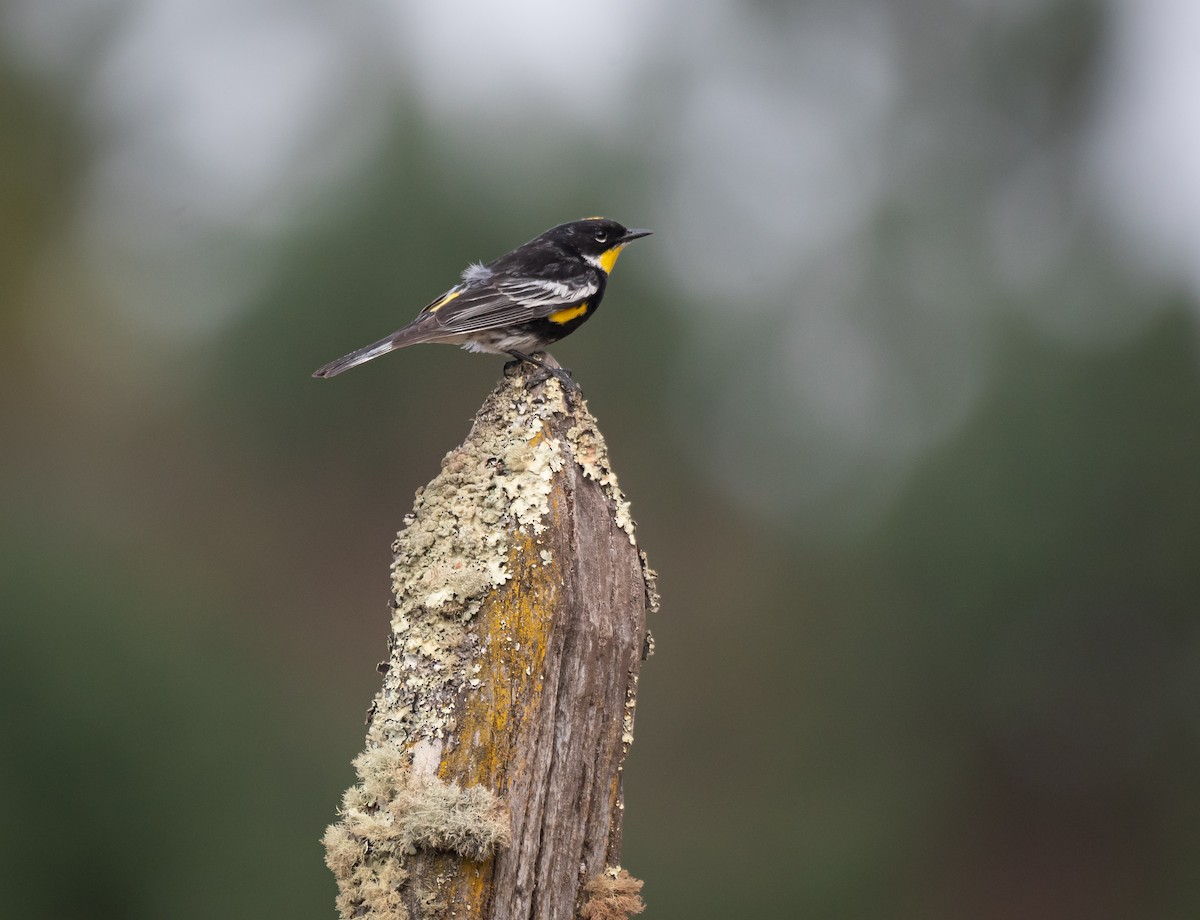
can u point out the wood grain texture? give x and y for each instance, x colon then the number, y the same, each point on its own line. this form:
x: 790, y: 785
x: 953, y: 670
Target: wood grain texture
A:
x: 518, y: 632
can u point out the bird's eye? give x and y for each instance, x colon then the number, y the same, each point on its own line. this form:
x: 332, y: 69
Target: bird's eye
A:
x: 601, y: 236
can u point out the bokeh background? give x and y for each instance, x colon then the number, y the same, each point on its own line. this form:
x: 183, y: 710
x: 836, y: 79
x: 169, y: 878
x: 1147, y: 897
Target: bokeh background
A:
x: 905, y: 391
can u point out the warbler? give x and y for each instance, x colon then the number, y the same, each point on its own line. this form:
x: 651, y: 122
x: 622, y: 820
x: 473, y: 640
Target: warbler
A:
x: 520, y: 303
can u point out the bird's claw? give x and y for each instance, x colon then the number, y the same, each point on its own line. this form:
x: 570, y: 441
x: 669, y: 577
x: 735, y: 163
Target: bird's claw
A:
x: 542, y: 371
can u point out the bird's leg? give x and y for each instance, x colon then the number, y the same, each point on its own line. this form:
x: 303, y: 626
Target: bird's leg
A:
x: 561, y: 374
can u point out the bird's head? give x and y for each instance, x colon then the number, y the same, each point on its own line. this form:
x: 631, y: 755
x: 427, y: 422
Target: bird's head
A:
x: 597, y: 239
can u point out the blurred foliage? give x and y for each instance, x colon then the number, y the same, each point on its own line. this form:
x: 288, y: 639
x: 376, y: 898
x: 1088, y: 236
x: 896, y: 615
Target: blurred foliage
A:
x: 982, y: 702
x: 40, y: 162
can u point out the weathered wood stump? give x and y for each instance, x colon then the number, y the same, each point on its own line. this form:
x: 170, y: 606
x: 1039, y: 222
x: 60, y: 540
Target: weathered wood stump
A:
x: 491, y: 780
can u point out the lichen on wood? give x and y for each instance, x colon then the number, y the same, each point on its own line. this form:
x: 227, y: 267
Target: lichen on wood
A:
x: 491, y: 782
x: 614, y: 894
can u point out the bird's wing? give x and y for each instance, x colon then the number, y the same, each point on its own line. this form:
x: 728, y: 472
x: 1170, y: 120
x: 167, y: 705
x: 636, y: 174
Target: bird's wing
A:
x: 504, y: 301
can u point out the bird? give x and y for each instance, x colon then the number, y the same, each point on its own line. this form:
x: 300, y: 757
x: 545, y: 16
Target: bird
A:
x: 518, y: 304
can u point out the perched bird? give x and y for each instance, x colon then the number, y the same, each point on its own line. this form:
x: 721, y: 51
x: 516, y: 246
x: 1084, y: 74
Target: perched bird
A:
x: 521, y: 302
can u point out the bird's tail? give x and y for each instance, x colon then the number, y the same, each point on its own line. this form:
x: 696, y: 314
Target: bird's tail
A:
x: 362, y: 355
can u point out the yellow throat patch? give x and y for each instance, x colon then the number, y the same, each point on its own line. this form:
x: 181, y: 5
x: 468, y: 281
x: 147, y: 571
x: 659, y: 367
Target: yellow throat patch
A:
x: 609, y: 258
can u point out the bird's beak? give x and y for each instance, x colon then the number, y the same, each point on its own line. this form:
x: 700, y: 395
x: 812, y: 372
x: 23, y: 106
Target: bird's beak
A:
x: 631, y: 235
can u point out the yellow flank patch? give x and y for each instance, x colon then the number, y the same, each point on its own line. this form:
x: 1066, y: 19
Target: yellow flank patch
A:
x: 609, y: 258
x: 434, y: 307
x: 565, y: 316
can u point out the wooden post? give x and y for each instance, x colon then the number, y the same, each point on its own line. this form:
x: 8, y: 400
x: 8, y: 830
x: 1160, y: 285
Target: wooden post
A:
x: 490, y: 786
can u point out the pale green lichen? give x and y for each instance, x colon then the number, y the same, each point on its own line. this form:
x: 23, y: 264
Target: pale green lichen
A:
x: 454, y: 550
x: 653, y: 600
x: 370, y: 882
x: 591, y: 453
x: 394, y: 808
x: 391, y: 814
x: 627, y: 718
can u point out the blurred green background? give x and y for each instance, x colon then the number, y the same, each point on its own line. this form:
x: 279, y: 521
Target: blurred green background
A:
x: 905, y: 392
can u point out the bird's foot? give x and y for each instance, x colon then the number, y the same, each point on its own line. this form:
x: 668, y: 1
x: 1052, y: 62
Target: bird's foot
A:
x: 546, y: 367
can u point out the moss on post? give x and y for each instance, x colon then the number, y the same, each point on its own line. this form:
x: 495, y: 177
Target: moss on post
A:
x: 491, y: 782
